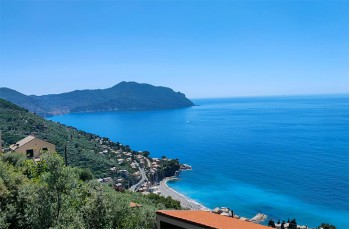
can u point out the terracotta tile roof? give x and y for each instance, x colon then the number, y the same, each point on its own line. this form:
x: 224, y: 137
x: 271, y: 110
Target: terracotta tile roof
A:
x: 134, y: 205
x: 209, y: 220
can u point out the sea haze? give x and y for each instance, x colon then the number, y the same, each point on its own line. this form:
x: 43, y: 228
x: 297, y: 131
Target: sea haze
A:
x: 283, y: 156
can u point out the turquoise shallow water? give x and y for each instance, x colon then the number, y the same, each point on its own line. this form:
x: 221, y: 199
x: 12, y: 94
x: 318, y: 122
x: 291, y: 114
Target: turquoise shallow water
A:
x: 283, y: 156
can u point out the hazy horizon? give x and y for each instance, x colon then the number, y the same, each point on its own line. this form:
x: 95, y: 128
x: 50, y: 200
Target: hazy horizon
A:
x: 203, y: 49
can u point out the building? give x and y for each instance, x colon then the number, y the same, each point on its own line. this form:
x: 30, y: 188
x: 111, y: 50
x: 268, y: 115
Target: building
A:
x: 119, y: 187
x: 32, y: 146
x: 134, y: 205
x: 187, y: 219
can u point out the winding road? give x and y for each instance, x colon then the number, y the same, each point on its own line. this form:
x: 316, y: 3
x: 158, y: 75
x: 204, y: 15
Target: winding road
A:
x: 143, y: 178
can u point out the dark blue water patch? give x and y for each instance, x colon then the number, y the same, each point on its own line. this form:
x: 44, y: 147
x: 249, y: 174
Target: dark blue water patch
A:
x: 283, y: 156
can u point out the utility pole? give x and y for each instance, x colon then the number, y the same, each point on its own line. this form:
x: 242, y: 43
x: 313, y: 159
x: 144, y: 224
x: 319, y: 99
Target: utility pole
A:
x: 65, y: 155
x: 0, y: 143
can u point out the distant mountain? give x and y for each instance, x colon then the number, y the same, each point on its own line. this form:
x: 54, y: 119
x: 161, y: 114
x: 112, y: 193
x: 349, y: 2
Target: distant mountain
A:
x: 124, y: 96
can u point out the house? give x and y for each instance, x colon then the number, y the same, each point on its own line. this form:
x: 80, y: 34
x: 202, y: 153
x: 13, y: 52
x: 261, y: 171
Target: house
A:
x: 107, y: 179
x: 120, y: 161
x: 155, y: 160
x: 32, y: 146
x: 133, y: 165
x: 119, y: 187
x: 167, y: 219
x: 113, y: 169
x: 124, y: 173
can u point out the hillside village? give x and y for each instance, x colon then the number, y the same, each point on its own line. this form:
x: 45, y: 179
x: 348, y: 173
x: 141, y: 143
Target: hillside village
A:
x: 134, y: 170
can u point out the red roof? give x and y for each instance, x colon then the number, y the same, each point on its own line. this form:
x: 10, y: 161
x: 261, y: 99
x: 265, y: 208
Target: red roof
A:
x: 134, y: 205
x: 209, y: 220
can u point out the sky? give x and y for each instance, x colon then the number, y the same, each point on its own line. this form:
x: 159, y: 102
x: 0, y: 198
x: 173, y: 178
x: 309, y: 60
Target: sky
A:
x: 201, y: 48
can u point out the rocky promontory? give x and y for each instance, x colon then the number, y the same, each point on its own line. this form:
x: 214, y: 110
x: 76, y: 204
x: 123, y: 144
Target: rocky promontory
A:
x: 125, y: 96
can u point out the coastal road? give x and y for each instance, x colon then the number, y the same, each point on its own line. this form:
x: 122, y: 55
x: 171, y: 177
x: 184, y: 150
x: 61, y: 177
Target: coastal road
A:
x: 143, y: 178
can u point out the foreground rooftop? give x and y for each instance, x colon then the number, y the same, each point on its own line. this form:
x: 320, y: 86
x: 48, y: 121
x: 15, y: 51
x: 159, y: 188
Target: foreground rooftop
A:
x: 200, y: 219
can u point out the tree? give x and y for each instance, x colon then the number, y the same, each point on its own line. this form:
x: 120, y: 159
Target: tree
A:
x: 14, y: 158
x: 293, y: 224
x: 146, y: 153
x: 85, y: 174
x: 282, y: 224
x: 49, y: 194
x: 60, y: 181
x: 327, y: 226
x: 95, y: 211
x: 271, y: 223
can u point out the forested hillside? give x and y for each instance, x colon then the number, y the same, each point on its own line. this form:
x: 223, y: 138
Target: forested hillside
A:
x: 123, y: 96
x: 48, y: 194
x: 83, y: 149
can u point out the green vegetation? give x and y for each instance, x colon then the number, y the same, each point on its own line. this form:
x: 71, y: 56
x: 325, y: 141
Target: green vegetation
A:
x: 123, y: 96
x: 327, y: 226
x: 83, y: 149
x: 292, y: 223
x: 47, y: 194
x: 167, y: 201
x: 271, y: 223
x: 167, y: 169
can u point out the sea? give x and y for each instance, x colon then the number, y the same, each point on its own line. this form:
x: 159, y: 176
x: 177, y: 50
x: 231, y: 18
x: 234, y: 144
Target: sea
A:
x: 285, y: 156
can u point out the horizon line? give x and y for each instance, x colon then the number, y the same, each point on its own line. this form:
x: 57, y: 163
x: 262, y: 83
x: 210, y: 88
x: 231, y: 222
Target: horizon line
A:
x: 199, y: 97
x: 274, y: 95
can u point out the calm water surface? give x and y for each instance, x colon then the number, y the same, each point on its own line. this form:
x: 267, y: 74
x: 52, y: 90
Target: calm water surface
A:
x: 283, y: 156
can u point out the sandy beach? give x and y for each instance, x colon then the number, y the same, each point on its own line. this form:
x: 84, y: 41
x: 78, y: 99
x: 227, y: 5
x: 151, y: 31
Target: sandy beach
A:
x: 186, y: 202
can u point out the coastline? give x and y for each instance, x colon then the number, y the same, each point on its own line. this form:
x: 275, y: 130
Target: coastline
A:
x: 274, y: 208
x: 185, y: 201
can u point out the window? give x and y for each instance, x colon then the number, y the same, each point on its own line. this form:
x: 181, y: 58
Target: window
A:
x: 30, y: 152
x: 45, y: 149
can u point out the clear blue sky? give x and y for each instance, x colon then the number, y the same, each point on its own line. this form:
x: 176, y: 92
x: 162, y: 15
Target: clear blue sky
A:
x: 202, y: 48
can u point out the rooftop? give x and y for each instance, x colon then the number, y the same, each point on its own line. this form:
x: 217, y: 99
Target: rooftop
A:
x: 209, y: 220
x: 22, y: 142
x: 134, y: 205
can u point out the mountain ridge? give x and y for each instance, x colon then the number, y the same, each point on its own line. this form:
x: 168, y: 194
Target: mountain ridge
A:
x: 124, y: 96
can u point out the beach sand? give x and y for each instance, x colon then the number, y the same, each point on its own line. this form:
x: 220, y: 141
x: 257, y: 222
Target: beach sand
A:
x: 186, y: 202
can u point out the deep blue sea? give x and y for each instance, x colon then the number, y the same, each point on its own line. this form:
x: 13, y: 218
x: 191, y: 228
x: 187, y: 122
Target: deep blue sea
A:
x: 283, y: 156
